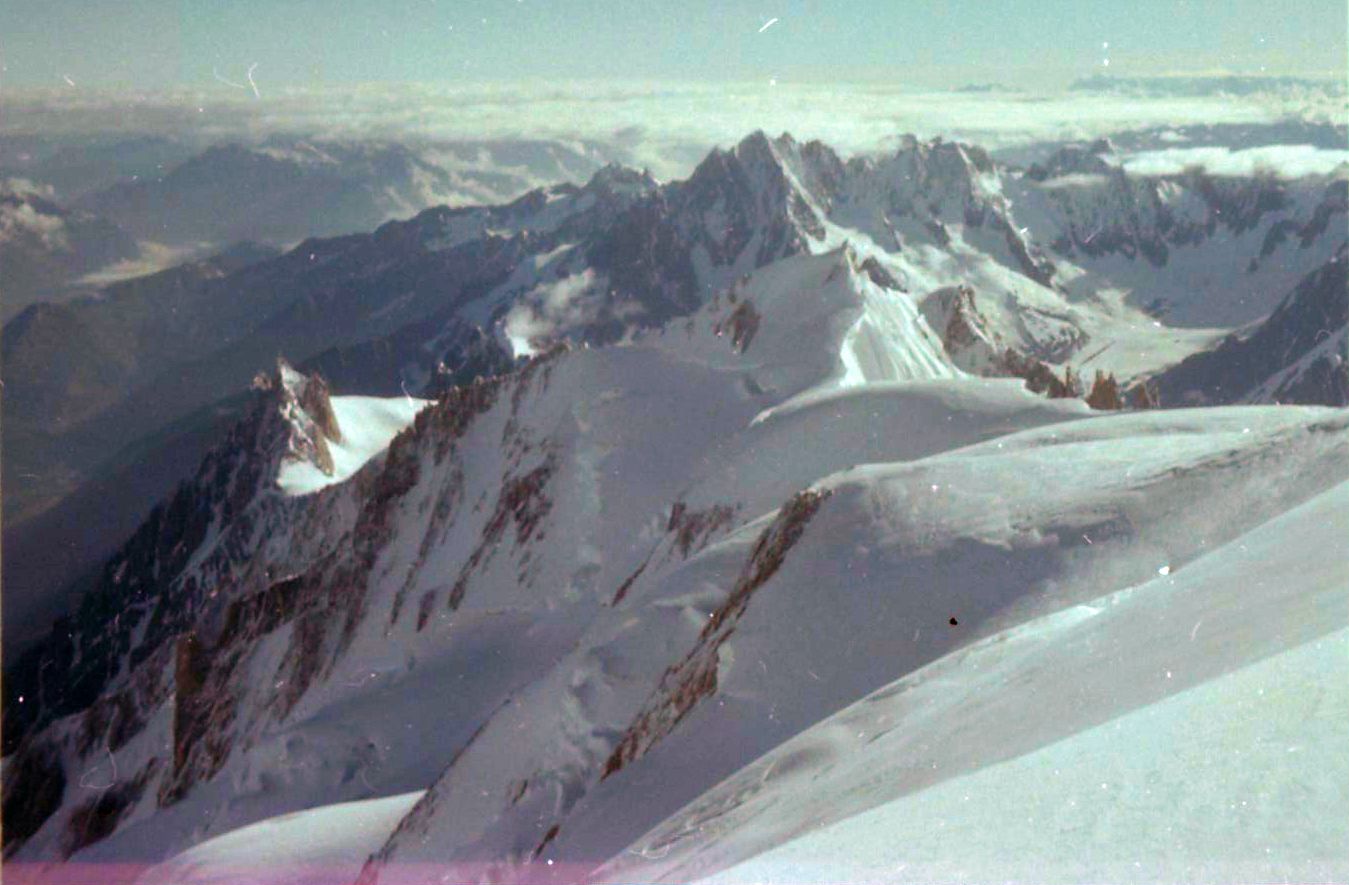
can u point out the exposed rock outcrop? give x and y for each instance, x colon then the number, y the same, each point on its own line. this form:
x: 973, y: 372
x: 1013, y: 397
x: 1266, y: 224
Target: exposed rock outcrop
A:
x: 695, y: 678
x: 1105, y: 393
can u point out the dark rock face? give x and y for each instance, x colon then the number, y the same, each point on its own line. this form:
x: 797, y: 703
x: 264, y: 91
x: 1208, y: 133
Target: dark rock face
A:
x: 98, y: 817
x: 35, y: 784
x: 742, y: 325
x: 880, y: 276
x: 1040, y: 378
x: 965, y: 330
x: 307, y: 406
x: 1324, y: 383
x: 136, y: 590
x: 972, y: 343
x: 315, y: 399
x: 1295, y: 356
x: 1074, y: 159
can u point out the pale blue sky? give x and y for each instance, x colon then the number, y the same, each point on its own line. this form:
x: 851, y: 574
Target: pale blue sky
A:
x: 154, y: 43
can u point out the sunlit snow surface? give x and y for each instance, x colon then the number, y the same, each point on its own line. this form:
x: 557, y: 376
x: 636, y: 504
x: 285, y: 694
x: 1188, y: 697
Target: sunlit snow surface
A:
x: 1238, y: 779
x: 1189, y: 728
x: 315, y: 847
x: 1103, y: 568
x: 368, y: 423
x: 1164, y: 732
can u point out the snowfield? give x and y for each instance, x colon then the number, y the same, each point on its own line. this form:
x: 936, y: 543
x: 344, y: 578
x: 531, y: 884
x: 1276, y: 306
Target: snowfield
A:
x: 1238, y: 779
x: 367, y: 424
x: 1184, y: 728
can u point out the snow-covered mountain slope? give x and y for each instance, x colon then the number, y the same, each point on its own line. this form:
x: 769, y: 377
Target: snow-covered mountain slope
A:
x: 365, y: 425
x: 463, y: 290
x: 872, y: 579
x: 631, y: 739
x: 445, y: 296
x: 1197, y: 248
x: 244, y: 488
x: 1163, y: 686
x: 706, y: 666
x: 1185, y: 725
x: 596, y: 462
x: 144, y: 366
x: 765, y: 479
x: 1298, y: 355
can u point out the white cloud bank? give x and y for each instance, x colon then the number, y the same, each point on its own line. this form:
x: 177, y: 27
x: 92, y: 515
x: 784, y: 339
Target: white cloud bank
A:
x: 22, y: 220
x: 1287, y: 161
x: 666, y: 127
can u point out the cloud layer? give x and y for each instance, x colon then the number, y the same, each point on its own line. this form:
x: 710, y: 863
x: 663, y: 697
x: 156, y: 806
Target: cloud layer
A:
x: 1288, y: 161
x: 665, y: 127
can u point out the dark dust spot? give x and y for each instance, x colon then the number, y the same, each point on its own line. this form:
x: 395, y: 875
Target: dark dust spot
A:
x: 953, y: 622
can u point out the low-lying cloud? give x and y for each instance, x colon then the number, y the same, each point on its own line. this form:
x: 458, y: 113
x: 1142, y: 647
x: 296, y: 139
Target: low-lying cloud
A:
x: 23, y: 221
x: 550, y: 308
x: 662, y: 126
x: 1285, y: 161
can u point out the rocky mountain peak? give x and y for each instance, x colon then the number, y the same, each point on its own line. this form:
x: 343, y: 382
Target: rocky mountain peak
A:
x: 306, y: 407
x: 148, y: 582
x: 615, y: 178
x: 1076, y: 159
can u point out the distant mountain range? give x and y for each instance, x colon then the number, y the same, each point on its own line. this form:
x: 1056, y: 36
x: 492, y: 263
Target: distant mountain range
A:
x: 282, y: 191
x: 561, y: 512
x: 1202, y: 85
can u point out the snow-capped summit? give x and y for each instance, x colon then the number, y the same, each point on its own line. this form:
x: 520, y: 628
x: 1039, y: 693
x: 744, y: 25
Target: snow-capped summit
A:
x: 747, y: 201
x: 1076, y: 159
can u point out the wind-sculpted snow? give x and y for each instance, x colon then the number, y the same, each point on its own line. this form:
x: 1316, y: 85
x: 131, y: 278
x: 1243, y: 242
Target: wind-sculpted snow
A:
x: 1174, y: 717
x: 325, y: 845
